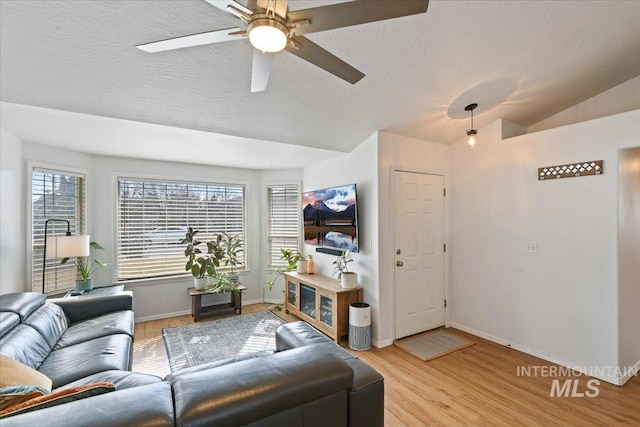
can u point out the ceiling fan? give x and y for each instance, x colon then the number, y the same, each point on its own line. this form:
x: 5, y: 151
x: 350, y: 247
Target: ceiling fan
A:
x: 271, y: 28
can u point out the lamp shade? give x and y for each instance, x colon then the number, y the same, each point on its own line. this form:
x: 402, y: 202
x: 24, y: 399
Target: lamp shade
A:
x: 67, y: 246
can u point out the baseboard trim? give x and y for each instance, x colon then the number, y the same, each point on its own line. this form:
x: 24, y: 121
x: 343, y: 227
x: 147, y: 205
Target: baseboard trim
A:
x: 162, y: 316
x: 383, y: 343
x: 185, y: 312
x: 633, y: 372
x: 615, y: 380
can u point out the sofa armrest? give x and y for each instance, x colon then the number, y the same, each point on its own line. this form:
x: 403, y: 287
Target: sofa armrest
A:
x: 78, y: 309
x: 150, y: 405
x: 251, y: 390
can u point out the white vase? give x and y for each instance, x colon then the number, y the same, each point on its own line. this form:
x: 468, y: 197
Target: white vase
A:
x: 200, y: 283
x: 349, y: 279
x: 301, y: 266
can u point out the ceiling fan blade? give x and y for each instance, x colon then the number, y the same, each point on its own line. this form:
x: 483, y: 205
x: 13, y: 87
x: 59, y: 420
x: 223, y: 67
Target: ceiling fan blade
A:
x: 309, y: 51
x: 354, y: 13
x: 224, y: 5
x: 193, y: 40
x: 261, y: 70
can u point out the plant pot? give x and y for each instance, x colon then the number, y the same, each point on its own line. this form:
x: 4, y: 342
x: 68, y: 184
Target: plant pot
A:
x: 84, y: 285
x: 349, y: 279
x: 200, y: 282
x: 233, y: 276
x: 301, y: 266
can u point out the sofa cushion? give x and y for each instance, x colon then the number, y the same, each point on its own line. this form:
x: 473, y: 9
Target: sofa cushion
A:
x: 26, y: 345
x: 22, y: 303
x: 121, y: 379
x: 87, y: 358
x: 171, y: 377
x: 246, y: 391
x: 299, y: 334
x: 14, y: 373
x: 50, y: 321
x: 58, y: 398
x: 120, y: 322
x: 8, y: 321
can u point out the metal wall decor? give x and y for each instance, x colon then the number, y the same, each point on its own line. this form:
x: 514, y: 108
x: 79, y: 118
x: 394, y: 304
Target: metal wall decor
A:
x: 593, y: 167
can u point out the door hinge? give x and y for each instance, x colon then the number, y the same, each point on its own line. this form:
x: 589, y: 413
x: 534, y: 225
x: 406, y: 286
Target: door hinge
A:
x: 445, y: 303
x: 444, y: 192
x: 445, y: 247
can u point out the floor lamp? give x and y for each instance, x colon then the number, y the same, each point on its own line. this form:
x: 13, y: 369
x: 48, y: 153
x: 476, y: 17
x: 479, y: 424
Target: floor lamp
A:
x: 62, y: 246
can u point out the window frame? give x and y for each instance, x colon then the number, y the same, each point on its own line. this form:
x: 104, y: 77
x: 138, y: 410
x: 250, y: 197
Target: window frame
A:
x: 117, y: 176
x: 267, y: 203
x: 53, y: 167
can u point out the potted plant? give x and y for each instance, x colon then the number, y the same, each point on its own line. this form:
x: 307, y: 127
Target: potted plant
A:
x: 200, y: 264
x: 348, y: 279
x: 291, y: 257
x: 86, y: 266
x: 221, y: 283
x: 232, y: 247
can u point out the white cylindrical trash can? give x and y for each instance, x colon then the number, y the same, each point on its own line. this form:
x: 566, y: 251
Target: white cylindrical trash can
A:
x: 359, y: 326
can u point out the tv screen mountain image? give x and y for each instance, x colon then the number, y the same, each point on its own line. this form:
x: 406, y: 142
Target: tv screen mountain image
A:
x: 331, y: 217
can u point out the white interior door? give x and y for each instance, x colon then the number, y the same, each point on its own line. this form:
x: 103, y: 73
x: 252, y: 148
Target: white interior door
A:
x: 419, y: 252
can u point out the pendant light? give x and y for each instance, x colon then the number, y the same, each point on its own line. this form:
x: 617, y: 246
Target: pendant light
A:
x: 472, y: 134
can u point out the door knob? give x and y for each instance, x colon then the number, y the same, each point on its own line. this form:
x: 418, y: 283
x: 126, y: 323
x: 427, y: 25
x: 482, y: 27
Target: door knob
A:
x: 399, y: 263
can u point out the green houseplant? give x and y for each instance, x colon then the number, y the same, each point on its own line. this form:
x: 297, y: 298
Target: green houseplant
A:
x: 86, y: 266
x: 348, y: 279
x: 201, y: 264
x: 291, y: 258
x: 232, y: 246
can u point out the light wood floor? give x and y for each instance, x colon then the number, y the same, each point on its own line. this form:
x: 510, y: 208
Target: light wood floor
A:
x: 475, y: 386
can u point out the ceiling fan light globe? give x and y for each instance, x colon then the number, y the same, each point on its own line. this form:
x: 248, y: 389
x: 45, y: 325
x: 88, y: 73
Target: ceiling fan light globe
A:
x: 268, y: 36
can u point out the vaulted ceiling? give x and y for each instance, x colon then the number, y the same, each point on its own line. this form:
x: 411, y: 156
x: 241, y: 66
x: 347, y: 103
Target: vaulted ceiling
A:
x: 519, y: 60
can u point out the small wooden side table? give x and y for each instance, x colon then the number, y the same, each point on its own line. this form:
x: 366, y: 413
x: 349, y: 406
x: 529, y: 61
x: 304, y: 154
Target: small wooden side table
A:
x: 198, y: 311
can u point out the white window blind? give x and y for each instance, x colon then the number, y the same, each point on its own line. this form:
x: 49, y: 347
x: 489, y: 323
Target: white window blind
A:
x: 153, y: 217
x: 59, y: 195
x: 284, y: 229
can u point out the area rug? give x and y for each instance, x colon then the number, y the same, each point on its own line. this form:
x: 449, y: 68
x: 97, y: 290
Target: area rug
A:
x: 431, y: 345
x: 205, y: 342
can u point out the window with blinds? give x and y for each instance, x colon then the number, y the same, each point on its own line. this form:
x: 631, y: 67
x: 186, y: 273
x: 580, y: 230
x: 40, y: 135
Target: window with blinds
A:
x: 284, y: 224
x: 153, y: 216
x: 59, y: 195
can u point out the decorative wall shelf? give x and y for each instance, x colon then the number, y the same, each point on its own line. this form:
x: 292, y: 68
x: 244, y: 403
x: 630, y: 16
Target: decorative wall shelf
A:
x: 571, y: 170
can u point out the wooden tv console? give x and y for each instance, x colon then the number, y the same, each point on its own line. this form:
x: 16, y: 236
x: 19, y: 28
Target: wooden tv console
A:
x: 320, y: 301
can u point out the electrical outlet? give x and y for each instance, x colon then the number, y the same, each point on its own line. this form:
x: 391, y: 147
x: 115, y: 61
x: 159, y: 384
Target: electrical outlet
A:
x: 531, y: 248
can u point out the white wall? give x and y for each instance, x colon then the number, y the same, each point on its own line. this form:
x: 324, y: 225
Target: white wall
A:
x: 408, y: 154
x: 12, y: 265
x: 629, y: 257
x: 619, y: 99
x: 359, y: 167
x: 561, y: 303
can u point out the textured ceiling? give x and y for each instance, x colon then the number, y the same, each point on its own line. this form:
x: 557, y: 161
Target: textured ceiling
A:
x: 519, y: 60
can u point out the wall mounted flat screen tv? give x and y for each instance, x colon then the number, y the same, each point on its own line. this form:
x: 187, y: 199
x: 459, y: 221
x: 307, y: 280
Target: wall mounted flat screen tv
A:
x: 331, y: 218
